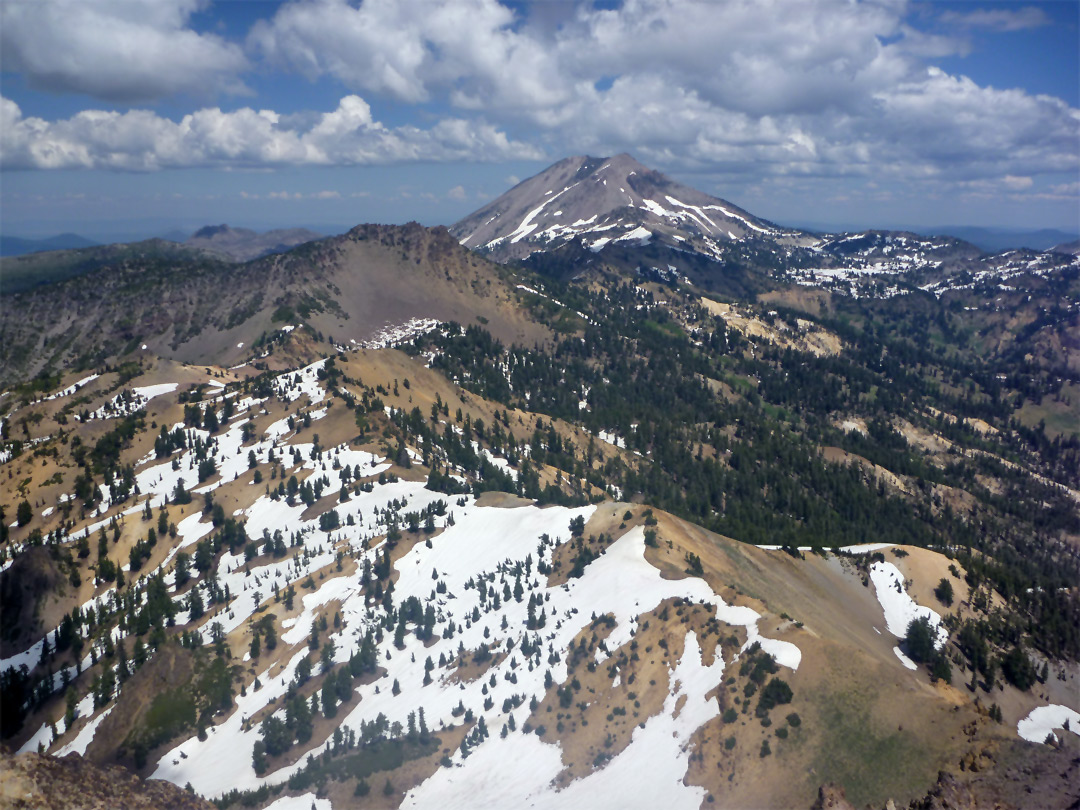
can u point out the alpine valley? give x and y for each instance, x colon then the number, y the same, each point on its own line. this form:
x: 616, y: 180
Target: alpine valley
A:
x: 612, y: 495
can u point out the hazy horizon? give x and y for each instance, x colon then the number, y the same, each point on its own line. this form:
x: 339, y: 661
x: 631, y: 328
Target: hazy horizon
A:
x: 883, y: 114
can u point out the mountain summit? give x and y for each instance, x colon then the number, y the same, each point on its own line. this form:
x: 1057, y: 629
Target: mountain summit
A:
x: 603, y: 200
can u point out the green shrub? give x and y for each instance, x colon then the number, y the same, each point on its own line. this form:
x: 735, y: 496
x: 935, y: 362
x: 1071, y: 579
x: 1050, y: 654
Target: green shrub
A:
x: 775, y: 693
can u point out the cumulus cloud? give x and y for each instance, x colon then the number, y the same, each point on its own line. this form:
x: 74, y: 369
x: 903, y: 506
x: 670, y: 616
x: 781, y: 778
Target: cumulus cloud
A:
x: 116, y: 50
x: 819, y: 87
x: 411, y: 49
x: 750, y: 56
x: 750, y: 88
x: 456, y: 193
x: 140, y: 140
x: 954, y: 127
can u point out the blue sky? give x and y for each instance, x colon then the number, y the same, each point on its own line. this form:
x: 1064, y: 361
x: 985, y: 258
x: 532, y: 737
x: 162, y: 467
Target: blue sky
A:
x: 136, y: 117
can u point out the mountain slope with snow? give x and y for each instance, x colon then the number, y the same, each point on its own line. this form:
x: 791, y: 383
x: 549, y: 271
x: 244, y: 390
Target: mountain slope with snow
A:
x: 583, y: 212
x: 601, y: 201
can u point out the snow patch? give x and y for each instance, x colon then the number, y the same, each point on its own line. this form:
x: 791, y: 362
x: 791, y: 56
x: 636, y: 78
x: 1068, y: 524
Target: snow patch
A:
x: 1041, y: 722
x: 900, y: 609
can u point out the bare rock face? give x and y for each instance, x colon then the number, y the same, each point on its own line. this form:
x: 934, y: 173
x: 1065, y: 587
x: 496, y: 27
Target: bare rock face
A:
x: 948, y: 794
x: 832, y: 797
x: 21, y: 587
x: 42, y: 782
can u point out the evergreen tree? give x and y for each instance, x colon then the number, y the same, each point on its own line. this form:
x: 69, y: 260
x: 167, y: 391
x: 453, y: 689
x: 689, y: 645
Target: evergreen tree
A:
x: 919, y: 641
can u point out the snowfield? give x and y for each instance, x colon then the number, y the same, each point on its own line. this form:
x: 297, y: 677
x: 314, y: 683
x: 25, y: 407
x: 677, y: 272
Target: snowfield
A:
x: 483, y: 542
x: 900, y: 609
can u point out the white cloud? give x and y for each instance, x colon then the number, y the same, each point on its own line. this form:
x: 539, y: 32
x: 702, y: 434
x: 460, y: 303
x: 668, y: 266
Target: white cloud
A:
x: 141, y: 140
x: 818, y: 87
x: 410, y: 49
x: 326, y: 195
x: 1018, y: 183
x: 953, y: 127
x: 117, y: 50
x: 757, y: 57
x: 456, y: 193
x: 998, y: 19
x: 749, y: 89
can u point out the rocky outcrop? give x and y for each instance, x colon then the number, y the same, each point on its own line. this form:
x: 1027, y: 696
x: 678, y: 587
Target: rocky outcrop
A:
x: 42, y: 782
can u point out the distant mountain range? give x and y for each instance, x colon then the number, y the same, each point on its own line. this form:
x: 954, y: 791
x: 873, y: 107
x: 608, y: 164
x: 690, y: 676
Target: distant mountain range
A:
x: 17, y: 246
x: 236, y: 244
x: 583, y: 214
x: 988, y: 239
x: 243, y: 244
x: 993, y: 240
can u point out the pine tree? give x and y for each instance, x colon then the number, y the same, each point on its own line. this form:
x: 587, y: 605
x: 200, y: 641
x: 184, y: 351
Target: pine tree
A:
x: 329, y: 697
x: 196, y: 607
x: 24, y: 513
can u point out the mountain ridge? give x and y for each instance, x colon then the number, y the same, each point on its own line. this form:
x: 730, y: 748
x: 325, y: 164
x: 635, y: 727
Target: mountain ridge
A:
x: 245, y: 244
x: 584, y: 213
x: 189, y: 304
x: 19, y: 246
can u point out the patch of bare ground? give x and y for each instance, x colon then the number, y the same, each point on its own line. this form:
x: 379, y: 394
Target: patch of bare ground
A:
x: 811, y: 301
x: 401, y: 779
x: 473, y: 664
x: 861, y: 723
x: 897, y: 483
x: 501, y: 500
x: 171, y: 667
x: 722, y: 390
x: 931, y: 443
x: 806, y: 336
x: 592, y: 714
x: 923, y: 570
x: 41, y: 782
x: 976, y: 424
